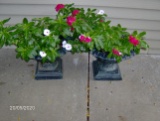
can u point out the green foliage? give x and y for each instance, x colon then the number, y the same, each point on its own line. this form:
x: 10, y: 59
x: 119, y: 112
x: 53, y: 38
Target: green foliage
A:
x: 5, y: 33
x: 30, y: 40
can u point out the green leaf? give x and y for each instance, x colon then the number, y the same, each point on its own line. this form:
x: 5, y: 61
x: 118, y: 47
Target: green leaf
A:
x: 144, y: 45
x: 88, y: 9
x: 32, y: 52
x: 141, y: 34
x: 134, y: 33
x: 67, y: 32
x: 137, y: 50
x: 97, y: 45
x: 91, y: 45
x: 119, y: 59
x: 25, y: 21
x: 5, y: 20
x: 108, y: 22
x: 69, y: 5
x: 93, y: 10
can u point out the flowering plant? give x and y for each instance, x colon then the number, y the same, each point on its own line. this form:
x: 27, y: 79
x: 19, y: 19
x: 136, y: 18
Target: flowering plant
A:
x: 75, y: 30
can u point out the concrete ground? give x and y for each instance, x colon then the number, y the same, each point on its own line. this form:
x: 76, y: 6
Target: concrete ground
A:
x: 135, y: 98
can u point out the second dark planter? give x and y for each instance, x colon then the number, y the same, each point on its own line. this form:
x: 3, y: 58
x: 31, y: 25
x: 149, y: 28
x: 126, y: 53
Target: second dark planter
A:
x: 106, y: 70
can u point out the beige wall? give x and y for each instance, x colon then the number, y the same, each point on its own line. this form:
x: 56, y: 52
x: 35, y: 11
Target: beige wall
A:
x: 143, y: 15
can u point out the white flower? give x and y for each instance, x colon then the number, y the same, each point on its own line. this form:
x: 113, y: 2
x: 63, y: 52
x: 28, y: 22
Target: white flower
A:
x: 42, y: 54
x: 64, y: 42
x: 101, y: 12
x: 46, y: 32
x: 68, y: 47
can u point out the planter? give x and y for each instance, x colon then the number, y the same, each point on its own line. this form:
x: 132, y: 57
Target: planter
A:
x: 49, y: 70
x: 105, y: 68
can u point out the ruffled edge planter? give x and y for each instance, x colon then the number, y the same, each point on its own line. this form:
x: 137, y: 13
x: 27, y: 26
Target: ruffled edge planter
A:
x: 107, y: 69
x: 48, y: 70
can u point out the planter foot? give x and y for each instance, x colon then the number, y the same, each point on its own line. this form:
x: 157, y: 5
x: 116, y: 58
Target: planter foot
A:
x: 49, y: 70
x: 106, y: 70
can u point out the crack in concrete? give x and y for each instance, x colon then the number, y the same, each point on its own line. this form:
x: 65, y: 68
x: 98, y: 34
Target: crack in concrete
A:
x: 88, y: 90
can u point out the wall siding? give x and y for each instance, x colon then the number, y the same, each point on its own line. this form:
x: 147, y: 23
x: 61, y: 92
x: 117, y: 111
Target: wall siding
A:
x: 142, y: 15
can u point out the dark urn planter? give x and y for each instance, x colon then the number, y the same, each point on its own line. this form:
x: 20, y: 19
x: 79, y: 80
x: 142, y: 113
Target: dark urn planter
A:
x: 49, y: 70
x: 105, y: 68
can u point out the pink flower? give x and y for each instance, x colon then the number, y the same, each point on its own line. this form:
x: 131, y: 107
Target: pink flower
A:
x: 70, y: 20
x: 88, y: 39
x: 75, y: 12
x: 116, y: 52
x: 59, y: 6
x: 133, y: 40
x: 82, y: 38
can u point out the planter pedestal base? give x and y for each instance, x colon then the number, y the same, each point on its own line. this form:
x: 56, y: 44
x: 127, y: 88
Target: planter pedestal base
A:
x: 106, y: 70
x: 49, y: 70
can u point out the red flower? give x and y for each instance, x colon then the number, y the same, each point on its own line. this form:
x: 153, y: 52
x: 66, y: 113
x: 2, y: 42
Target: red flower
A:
x: 88, y: 39
x: 116, y: 52
x: 83, y: 38
x: 75, y: 12
x: 59, y: 6
x: 133, y: 40
x: 70, y: 20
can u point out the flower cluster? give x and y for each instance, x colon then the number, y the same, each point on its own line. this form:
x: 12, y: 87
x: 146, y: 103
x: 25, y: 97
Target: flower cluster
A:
x: 83, y: 38
x: 73, y: 29
x: 66, y: 45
